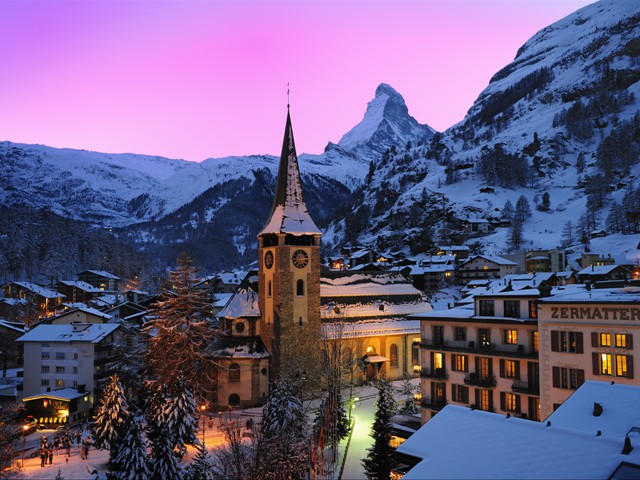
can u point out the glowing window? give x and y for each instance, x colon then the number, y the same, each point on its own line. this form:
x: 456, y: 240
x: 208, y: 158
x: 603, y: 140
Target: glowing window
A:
x: 511, y: 402
x: 510, y: 368
x: 621, y: 365
x: 605, y: 364
x: 438, y: 360
x: 621, y: 340
x: 605, y: 339
x: 511, y: 337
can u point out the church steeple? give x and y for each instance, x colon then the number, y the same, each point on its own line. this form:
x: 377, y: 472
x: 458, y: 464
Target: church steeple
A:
x: 289, y: 213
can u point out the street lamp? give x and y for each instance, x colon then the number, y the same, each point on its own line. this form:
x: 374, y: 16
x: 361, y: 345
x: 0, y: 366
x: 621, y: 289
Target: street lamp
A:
x: 203, y: 407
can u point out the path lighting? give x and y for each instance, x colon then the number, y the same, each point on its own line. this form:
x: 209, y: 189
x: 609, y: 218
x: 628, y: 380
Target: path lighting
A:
x: 202, y: 409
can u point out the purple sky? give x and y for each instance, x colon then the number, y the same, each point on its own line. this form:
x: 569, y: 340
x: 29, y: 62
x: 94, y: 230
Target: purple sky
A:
x: 199, y: 79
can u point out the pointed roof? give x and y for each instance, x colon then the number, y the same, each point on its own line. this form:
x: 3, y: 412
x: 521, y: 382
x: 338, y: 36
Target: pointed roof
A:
x: 289, y: 213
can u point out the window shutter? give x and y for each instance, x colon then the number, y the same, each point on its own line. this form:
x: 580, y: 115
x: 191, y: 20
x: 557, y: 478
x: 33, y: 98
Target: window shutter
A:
x: 432, y: 358
x: 453, y: 362
x: 580, y: 377
x: 594, y: 339
x: 477, y: 398
x: 517, y: 362
x: 465, y: 395
x: 556, y: 377
x: 579, y: 343
x: 501, y: 368
x: 502, y: 401
x: 629, y: 366
x: 490, y: 400
x: 629, y: 341
x: 490, y: 367
x: 555, y: 341
x: 453, y: 392
x: 517, y: 403
x: 466, y: 363
x: 596, y: 363
x: 478, y: 366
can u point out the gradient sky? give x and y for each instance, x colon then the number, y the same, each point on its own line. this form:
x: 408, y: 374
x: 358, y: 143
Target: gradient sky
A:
x: 198, y: 79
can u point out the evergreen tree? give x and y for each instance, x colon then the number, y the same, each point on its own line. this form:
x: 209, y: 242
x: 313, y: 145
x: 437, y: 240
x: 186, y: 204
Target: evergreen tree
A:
x: 200, y: 468
x: 131, y: 462
x: 515, y: 234
x: 164, y: 461
x: 567, y: 234
x: 545, y: 203
x: 178, y: 330
x: 377, y: 465
x: 112, y: 414
x: 523, y: 209
x: 507, y: 210
x: 408, y: 390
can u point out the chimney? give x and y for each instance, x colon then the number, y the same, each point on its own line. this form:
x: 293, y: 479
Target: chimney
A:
x: 597, y: 409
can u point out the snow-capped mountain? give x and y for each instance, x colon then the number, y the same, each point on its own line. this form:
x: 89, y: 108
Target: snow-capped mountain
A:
x: 216, y: 206
x: 562, y: 118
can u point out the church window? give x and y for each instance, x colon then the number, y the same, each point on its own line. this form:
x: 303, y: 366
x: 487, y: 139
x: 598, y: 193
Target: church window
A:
x: 300, y: 288
x: 415, y: 353
x: 269, y: 289
x: 234, y: 372
x: 234, y: 400
x: 300, y: 321
x: 393, y: 354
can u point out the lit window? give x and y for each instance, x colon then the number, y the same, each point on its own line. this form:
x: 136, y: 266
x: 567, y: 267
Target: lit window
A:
x: 485, y: 400
x: 485, y: 267
x: 536, y: 344
x: 511, y: 337
x: 621, y: 365
x: 605, y: 339
x: 447, y: 274
x: 621, y: 340
x: 511, y: 402
x: 437, y: 360
x: 59, y: 383
x: 510, y: 370
x: 393, y: 356
x: 461, y: 363
x: 605, y: 364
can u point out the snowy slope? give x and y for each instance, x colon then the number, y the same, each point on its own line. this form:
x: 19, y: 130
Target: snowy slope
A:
x: 587, y: 62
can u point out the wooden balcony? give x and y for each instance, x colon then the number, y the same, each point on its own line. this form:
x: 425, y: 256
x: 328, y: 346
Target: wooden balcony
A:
x: 434, y: 373
x: 478, y: 380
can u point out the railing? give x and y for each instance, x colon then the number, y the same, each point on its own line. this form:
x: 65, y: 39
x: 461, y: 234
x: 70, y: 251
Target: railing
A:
x: 435, y: 404
x: 516, y: 351
x: 524, y: 387
x: 479, y: 380
x: 436, y: 373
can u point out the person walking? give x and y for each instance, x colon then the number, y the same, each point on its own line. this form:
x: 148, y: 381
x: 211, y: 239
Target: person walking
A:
x: 43, y: 456
x: 51, y: 455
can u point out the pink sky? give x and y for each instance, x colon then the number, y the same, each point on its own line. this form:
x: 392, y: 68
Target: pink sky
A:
x: 199, y: 79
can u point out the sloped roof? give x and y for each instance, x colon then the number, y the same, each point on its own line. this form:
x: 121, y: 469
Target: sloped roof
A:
x: 81, y: 285
x: 37, y: 289
x: 289, y: 213
x: 238, y: 347
x: 243, y: 303
x: 93, y: 333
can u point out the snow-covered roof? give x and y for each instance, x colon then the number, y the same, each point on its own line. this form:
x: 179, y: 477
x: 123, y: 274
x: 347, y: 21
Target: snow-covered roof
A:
x: 238, y: 347
x: 37, y: 289
x: 91, y: 332
x: 101, y: 273
x: 231, y: 278
x: 496, y: 446
x: 88, y: 310
x: 81, y: 285
x: 15, y: 326
x: 490, y: 258
x: 454, y: 248
x: 289, y: 213
x: 243, y: 303
x: 457, y: 312
x: 597, y: 270
x: 347, y: 330
x: 347, y: 284
x: 221, y: 299
x: 578, y: 293
x: 62, y: 394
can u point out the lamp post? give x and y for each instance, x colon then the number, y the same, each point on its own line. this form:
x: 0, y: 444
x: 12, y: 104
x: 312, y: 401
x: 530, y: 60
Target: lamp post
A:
x: 203, y: 407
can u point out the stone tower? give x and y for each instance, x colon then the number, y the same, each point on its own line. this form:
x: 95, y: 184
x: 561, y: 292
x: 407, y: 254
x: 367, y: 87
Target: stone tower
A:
x: 289, y: 274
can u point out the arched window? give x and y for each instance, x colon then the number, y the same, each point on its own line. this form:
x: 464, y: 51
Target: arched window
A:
x: 234, y: 400
x: 393, y: 356
x: 300, y: 288
x: 234, y: 372
x: 269, y: 289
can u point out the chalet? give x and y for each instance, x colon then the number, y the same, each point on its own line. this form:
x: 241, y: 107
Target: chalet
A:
x: 78, y: 315
x: 545, y: 261
x: 477, y: 226
x: 44, y: 300
x: 606, y: 272
x: 461, y: 252
x: 77, y: 291
x: 336, y: 263
x: 136, y: 296
x: 105, y: 281
x: 596, y: 259
x: 485, y: 267
x: 362, y: 257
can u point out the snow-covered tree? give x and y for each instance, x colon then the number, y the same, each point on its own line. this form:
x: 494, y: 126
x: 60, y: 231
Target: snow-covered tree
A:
x: 523, y: 209
x: 179, y: 328
x: 408, y: 391
x: 545, y: 203
x: 377, y: 465
x: 111, y: 415
x: 567, y: 234
x: 201, y: 467
x: 515, y: 234
x: 131, y: 462
x: 507, y: 210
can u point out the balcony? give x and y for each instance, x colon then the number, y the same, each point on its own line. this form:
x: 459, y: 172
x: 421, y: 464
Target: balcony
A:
x: 480, y: 381
x: 435, y: 404
x: 435, y: 373
x: 519, y: 386
x: 510, y: 351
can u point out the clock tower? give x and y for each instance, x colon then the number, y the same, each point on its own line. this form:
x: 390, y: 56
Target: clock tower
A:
x: 289, y: 274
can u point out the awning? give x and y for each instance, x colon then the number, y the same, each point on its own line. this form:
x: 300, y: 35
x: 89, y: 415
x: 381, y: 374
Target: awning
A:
x: 375, y: 359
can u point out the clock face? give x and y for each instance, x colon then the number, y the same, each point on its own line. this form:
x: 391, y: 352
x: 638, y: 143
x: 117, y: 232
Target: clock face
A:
x: 268, y: 259
x: 300, y: 259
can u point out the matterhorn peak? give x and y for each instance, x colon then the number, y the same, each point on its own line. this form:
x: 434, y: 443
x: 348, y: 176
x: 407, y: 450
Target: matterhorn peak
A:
x: 386, y: 122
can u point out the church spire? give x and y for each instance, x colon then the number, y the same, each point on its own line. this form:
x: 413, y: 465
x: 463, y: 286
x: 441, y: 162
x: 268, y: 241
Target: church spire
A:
x: 289, y: 213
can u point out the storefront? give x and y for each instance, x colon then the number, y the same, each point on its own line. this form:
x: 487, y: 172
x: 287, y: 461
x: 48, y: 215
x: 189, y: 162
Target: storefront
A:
x: 67, y: 406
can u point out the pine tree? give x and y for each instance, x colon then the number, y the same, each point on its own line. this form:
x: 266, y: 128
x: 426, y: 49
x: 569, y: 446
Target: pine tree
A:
x: 408, y: 390
x: 567, y: 234
x: 200, y: 468
x: 545, y: 203
x: 131, y: 462
x: 515, y: 234
x: 377, y: 465
x: 523, y: 209
x: 111, y: 415
x: 164, y: 461
x: 507, y: 211
x: 178, y: 330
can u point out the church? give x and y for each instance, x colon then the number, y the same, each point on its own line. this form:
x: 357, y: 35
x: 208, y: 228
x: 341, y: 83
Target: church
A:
x: 279, y: 321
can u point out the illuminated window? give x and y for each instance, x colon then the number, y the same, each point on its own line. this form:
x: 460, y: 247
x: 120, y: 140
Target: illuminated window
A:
x: 511, y: 402
x: 447, y: 274
x: 437, y: 361
x: 533, y: 309
x: 485, y: 267
x: 461, y: 363
x: 371, y: 350
x: 572, y: 342
x: 536, y: 344
x: 621, y: 365
x: 511, y: 337
x: 563, y: 342
x: 393, y: 356
x: 510, y: 369
x: 485, y: 368
x: 485, y: 400
x: 484, y: 335
x: 415, y: 352
x: 234, y: 372
x: 605, y: 339
x: 59, y: 383
x: 605, y: 364
x: 621, y: 340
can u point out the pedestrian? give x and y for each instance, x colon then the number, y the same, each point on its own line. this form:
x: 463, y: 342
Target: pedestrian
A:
x: 78, y: 437
x: 50, y: 455
x: 82, y: 450
x: 86, y: 450
x: 43, y: 457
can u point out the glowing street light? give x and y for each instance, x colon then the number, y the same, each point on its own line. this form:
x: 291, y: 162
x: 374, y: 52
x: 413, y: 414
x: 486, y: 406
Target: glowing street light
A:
x: 203, y: 407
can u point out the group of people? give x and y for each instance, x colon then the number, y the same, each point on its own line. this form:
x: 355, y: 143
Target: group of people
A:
x: 63, y: 438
